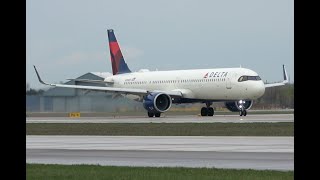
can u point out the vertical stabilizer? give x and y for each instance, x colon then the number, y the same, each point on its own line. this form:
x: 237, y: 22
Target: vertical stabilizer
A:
x: 119, y: 66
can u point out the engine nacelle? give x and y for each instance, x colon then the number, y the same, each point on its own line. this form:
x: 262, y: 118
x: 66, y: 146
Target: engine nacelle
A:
x: 234, y: 105
x: 157, y: 102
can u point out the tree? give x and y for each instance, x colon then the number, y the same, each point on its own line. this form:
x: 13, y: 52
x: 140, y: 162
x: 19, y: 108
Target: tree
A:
x: 34, y: 92
x: 282, y: 96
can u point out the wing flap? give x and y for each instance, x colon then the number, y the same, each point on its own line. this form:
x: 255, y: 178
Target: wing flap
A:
x: 92, y: 81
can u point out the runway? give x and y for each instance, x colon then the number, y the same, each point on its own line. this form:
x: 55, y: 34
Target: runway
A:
x: 237, y: 152
x: 269, y: 118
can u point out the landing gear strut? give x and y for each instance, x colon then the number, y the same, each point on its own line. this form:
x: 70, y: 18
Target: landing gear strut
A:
x: 207, y: 111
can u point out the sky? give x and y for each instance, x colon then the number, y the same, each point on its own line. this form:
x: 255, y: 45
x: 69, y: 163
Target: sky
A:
x: 68, y: 38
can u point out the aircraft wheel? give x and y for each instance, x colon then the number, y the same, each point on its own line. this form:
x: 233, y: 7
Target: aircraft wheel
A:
x: 157, y: 114
x: 150, y: 114
x: 204, y: 111
x: 244, y: 112
x: 241, y: 113
x: 210, y: 111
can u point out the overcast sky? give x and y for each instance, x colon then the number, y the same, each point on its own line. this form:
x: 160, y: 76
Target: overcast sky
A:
x: 68, y: 38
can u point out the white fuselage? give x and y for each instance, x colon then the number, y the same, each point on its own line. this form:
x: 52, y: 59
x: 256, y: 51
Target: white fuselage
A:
x: 210, y: 84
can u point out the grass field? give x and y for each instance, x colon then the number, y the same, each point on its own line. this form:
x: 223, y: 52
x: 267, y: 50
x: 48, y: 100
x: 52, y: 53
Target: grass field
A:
x: 93, y: 172
x: 162, y: 129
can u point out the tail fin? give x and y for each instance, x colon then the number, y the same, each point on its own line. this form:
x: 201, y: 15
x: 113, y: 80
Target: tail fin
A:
x: 119, y: 66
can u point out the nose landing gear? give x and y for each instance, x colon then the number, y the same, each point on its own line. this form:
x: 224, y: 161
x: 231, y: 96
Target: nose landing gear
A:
x: 243, y: 111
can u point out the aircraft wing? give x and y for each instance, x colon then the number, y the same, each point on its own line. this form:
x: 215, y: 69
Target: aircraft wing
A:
x: 285, y: 80
x: 110, y: 89
x: 93, y: 81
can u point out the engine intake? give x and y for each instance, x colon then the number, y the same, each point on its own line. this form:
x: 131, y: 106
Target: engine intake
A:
x: 157, y: 102
x: 234, y: 106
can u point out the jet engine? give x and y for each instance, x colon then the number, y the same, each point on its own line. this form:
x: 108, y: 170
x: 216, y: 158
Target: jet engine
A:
x: 157, y: 102
x: 235, y: 106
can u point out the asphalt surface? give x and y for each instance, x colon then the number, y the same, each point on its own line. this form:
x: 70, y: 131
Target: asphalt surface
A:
x: 269, y: 118
x: 274, y: 153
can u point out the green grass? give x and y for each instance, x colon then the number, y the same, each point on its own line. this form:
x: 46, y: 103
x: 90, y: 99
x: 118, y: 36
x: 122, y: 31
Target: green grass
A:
x: 162, y: 129
x: 92, y: 172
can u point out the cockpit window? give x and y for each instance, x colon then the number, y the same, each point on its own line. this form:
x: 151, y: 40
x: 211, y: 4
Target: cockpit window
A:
x: 246, y: 78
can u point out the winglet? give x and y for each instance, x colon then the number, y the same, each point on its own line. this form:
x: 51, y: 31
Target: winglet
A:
x: 39, y: 76
x: 285, y: 79
x: 285, y: 75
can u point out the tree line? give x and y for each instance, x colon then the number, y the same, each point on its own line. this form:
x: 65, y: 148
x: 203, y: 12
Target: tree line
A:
x: 31, y: 91
x: 277, y: 97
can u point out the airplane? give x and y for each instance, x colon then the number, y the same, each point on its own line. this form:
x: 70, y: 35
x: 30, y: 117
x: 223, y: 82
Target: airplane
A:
x: 158, y: 90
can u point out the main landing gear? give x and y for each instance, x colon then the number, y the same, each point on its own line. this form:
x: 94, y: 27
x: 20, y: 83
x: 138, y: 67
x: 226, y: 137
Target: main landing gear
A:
x: 150, y: 114
x: 207, y: 111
